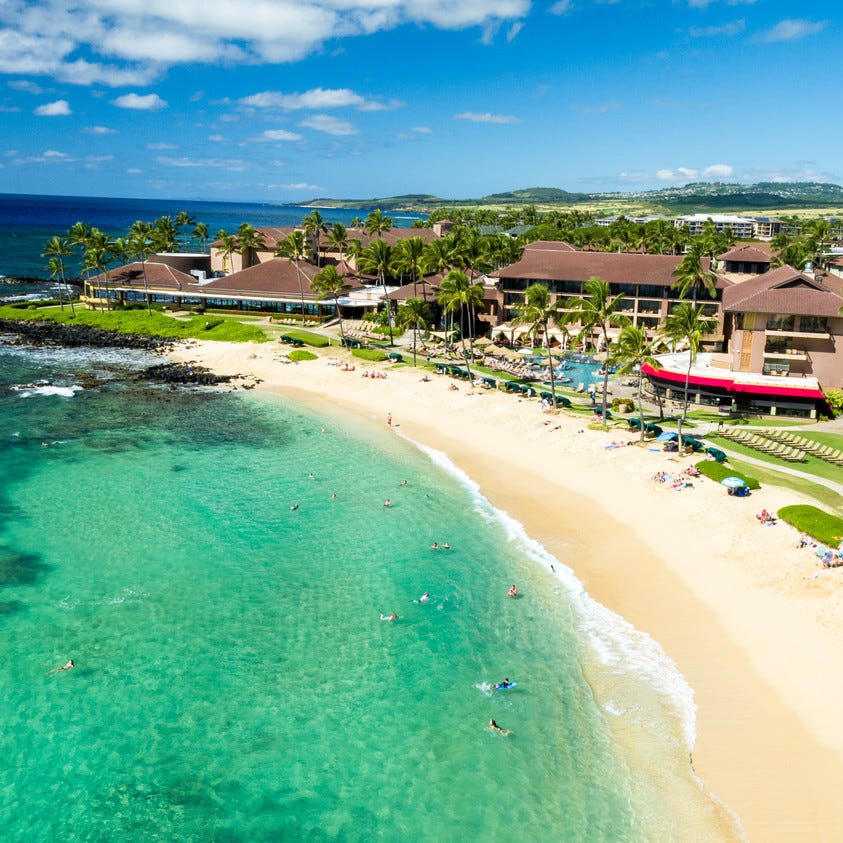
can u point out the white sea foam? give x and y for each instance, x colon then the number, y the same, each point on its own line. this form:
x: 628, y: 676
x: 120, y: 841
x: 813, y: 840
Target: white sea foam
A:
x: 29, y: 390
x: 612, y: 640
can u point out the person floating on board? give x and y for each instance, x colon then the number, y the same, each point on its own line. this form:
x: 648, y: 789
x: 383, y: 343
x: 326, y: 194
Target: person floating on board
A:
x: 502, y: 686
x: 513, y: 591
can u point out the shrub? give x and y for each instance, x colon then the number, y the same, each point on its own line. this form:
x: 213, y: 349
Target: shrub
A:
x: 316, y: 340
x: 717, y: 471
x: 822, y: 526
x: 300, y: 354
x: 623, y: 405
x: 369, y: 354
x: 834, y: 397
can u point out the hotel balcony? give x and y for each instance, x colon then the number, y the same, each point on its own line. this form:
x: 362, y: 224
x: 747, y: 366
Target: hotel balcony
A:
x: 808, y: 335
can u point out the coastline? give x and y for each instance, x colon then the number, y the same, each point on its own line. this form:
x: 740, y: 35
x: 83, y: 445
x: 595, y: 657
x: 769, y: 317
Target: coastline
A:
x: 734, y: 605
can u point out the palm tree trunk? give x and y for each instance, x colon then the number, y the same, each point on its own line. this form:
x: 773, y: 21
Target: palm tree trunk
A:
x: 388, y: 309
x: 550, y: 364
x: 605, y: 373
x: 301, y: 291
x: 415, y: 338
x: 640, y: 408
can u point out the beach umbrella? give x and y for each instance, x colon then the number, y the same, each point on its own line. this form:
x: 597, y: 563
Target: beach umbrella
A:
x: 733, y: 482
x: 666, y: 436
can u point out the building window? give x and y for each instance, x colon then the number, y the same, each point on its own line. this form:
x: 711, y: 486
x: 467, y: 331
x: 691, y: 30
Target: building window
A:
x: 814, y: 324
x: 780, y: 322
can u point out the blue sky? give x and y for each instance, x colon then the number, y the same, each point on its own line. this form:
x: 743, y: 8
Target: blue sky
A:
x: 289, y: 100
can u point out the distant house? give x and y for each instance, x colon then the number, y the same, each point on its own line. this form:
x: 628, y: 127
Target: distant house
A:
x: 741, y: 227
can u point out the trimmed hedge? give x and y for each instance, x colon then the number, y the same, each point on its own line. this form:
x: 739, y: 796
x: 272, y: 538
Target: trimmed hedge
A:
x: 822, y: 526
x: 308, y: 338
x: 302, y: 354
x: 369, y: 354
x: 716, y: 471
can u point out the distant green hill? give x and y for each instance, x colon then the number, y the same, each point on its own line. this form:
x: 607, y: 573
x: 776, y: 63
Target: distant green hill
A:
x: 696, y: 196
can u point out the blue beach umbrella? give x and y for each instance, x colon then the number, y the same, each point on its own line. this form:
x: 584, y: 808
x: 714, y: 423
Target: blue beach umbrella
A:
x: 733, y: 482
x: 667, y: 436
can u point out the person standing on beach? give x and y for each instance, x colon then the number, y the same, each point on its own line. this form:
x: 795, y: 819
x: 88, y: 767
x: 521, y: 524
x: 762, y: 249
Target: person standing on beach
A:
x: 389, y: 419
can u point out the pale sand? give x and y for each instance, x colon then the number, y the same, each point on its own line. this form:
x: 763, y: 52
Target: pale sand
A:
x: 735, y: 605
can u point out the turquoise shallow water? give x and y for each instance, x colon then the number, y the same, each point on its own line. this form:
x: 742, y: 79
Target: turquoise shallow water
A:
x: 234, y: 680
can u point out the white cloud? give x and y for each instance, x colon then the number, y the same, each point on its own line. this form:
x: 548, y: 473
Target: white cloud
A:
x: 9, y: 109
x: 791, y: 30
x: 474, y: 117
x: 734, y: 27
x: 703, y: 4
x: 59, y: 108
x: 561, y: 7
x: 298, y: 186
x: 279, y: 135
x: 718, y: 171
x: 600, y: 108
x: 233, y: 164
x: 140, y: 102
x: 422, y: 130
x: 328, y: 124
x: 680, y: 174
x: 161, y: 146
x: 216, y: 138
x: 26, y: 86
x: 316, y: 99
x: 132, y: 42
x: 513, y: 31
x: 99, y: 130
x: 133, y: 171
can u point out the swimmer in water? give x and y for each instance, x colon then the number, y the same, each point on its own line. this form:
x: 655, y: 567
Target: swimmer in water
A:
x: 513, y: 591
x: 503, y: 685
x: 435, y: 546
x: 387, y: 502
x: 69, y: 666
x: 403, y: 482
x: 390, y: 618
x: 495, y: 728
x: 446, y: 546
x: 424, y: 598
x: 294, y: 507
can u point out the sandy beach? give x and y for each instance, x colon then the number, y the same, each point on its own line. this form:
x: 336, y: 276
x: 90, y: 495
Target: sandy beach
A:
x: 751, y: 621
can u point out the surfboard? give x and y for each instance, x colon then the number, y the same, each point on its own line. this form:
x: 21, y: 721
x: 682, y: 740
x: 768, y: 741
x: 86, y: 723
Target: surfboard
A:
x: 502, y: 687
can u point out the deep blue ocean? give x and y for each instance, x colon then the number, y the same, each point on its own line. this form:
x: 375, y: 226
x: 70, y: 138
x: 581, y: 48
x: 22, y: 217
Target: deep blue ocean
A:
x: 28, y: 221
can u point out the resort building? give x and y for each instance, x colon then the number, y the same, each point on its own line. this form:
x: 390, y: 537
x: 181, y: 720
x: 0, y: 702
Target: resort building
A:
x: 645, y: 281
x: 740, y: 227
x: 766, y: 228
x: 785, y: 345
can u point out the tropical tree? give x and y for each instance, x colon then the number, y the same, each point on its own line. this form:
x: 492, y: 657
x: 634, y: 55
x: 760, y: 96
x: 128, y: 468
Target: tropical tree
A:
x: 377, y: 260
x: 687, y: 324
x: 249, y: 240
x: 331, y: 285
x: 377, y: 224
x: 183, y: 221
x: 294, y: 248
x: 338, y: 238
x: 632, y: 351
x: 164, y: 235
x: 315, y: 227
x: 692, y: 277
x: 408, y: 259
x: 138, y: 244
x: 414, y: 314
x: 457, y: 293
x: 538, y: 310
x: 227, y: 247
x: 98, y: 254
x: 200, y: 233
x: 56, y: 250
x: 597, y: 310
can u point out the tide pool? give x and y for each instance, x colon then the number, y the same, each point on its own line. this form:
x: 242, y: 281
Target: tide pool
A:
x: 234, y: 678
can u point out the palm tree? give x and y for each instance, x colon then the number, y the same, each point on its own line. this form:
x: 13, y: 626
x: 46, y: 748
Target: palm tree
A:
x: 415, y: 314
x: 331, y: 285
x: 98, y: 254
x: 377, y: 259
x: 57, y: 249
x: 632, y: 351
x: 249, y: 240
x: 688, y: 324
x: 338, y: 238
x: 376, y: 223
x: 164, y: 235
x: 294, y: 248
x: 228, y: 246
x: 457, y: 293
x: 184, y: 220
x: 408, y: 258
x: 138, y: 244
x: 314, y: 226
x: 200, y: 232
x: 691, y: 277
x: 599, y: 311
x: 537, y: 311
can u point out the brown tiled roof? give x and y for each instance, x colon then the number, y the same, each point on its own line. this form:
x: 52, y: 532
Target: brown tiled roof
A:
x: 158, y: 275
x: 552, y: 246
x: 783, y: 290
x: 745, y: 254
x: 615, y: 267
x: 276, y: 277
x: 424, y: 290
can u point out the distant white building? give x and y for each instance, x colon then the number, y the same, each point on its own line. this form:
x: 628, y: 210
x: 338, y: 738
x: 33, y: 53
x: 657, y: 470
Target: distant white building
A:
x: 739, y: 226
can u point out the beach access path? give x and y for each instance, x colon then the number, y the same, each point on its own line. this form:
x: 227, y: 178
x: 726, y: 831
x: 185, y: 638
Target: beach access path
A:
x: 751, y: 621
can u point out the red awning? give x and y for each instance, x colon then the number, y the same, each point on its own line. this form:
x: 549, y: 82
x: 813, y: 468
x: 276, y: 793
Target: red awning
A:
x: 731, y: 385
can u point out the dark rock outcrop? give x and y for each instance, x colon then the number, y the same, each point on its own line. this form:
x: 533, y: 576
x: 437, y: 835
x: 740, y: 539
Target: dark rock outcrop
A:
x: 34, y: 332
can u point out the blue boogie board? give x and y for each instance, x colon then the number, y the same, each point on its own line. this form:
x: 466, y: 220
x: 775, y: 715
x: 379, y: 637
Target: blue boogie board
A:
x: 501, y: 687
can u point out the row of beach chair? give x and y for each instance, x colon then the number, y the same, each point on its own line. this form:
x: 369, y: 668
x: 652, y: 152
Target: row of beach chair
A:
x: 810, y: 446
x: 765, y: 444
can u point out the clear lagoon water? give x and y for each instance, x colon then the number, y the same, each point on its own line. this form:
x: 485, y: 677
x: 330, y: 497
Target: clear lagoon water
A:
x: 234, y: 680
